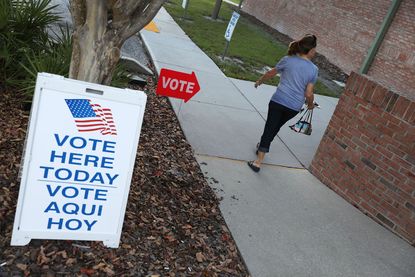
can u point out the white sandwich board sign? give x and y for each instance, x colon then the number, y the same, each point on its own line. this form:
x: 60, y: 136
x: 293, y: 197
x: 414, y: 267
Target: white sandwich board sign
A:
x: 78, y: 161
x: 231, y: 26
x: 184, y: 4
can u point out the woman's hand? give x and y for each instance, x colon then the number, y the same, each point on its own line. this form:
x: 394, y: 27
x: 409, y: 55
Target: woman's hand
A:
x: 257, y: 83
x: 311, y: 106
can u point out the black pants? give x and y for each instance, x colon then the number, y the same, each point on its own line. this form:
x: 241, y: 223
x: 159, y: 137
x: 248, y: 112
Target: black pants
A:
x: 278, y: 115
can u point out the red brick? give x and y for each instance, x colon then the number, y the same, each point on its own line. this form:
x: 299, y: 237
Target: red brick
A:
x: 365, y: 139
x: 403, y: 57
x: 369, y: 90
x: 404, y: 140
x: 387, y: 99
x: 405, y: 189
x: 344, y: 99
x: 397, y: 198
x: 394, y: 219
x: 410, y: 158
x: 410, y: 207
x: 370, y: 197
x: 410, y: 227
x: 352, y: 198
x: 392, y: 164
x: 385, y: 174
x: 401, y: 106
x: 351, y: 81
x: 356, y: 83
x: 386, y: 153
x: 395, y: 127
x: 406, y: 126
x: 395, y: 150
x: 372, y: 132
x: 405, y: 147
x: 405, y: 234
x: 391, y: 105
x: 385, y: 221
x: 402, y: 218
x: 349, y: 143
x: 398, y: 162
x: 359, y: 143
x: 360, y: 112
x: 390, y: 209
x: 374, y: 155
x: 379, y: 96
x: 360, y: 102
x: 410, y: 112
x: 372, y: 119
x: 397, y: 175
x: 390, y: 118
x: 362, y: 85
x: 368, y: 208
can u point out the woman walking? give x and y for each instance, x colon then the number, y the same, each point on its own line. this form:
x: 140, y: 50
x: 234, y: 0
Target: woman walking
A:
x: 298, y: 76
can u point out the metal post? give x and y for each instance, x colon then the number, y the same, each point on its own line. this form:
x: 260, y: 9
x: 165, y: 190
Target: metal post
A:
x: 226, y: 50
x: 380, y: 36
x: 185, y: 9
x: 180, y: 108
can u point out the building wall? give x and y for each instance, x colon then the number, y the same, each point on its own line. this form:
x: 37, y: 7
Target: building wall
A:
x: 346, y: 30
x: 367, y: 154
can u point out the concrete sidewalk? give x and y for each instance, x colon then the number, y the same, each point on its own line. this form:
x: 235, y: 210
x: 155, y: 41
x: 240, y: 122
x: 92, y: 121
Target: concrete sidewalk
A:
x: 285, y: 222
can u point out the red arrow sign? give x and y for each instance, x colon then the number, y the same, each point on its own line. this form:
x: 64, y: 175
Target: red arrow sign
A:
x: 177, y: 84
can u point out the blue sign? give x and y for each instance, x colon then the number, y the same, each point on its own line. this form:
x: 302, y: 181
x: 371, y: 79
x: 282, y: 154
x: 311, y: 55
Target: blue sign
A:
x: 231, y: 26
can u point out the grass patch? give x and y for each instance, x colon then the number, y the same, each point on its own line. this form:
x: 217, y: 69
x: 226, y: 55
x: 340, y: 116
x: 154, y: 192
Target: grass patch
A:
x: 250, y: 43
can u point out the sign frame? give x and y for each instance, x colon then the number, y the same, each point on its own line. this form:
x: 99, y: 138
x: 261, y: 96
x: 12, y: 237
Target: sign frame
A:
x: 60, y: 84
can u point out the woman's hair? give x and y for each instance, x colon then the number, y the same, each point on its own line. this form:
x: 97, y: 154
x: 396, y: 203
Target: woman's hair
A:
x: 302, y: 46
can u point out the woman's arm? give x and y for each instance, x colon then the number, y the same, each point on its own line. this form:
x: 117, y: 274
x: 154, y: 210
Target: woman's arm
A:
x: 270, y: 74
x: 309, y: 96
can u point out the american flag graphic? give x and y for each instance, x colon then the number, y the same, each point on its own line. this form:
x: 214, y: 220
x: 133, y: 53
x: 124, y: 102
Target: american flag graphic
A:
x: 90, y: 117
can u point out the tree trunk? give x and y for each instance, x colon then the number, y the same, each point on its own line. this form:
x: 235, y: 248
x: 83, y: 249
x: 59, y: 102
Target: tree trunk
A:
x: 97, y: 39
x: 95, y: 51
x: 97, y: 61
x: 216, y: 10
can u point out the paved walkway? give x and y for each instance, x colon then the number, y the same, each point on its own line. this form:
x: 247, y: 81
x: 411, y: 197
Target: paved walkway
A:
x: 285, y: 222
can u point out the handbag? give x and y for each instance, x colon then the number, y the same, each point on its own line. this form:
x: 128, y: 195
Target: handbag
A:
x: 303, y: 125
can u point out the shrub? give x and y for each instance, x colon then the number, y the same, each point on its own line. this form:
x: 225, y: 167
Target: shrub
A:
x: 54, y: 58
x: 26, y: 48
x: 23, y: 29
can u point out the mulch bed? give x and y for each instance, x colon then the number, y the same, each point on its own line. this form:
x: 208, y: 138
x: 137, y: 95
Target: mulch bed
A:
x: 172, y: 227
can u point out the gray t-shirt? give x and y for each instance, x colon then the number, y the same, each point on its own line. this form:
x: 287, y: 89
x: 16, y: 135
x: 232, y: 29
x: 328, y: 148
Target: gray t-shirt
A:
x: 295, y: 74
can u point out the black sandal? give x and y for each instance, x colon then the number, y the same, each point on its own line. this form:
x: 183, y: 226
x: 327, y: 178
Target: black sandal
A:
x: 253, y: 167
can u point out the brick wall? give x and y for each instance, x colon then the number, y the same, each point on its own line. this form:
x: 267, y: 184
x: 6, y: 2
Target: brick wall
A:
x: 367, y: 154
x: 346, y: 30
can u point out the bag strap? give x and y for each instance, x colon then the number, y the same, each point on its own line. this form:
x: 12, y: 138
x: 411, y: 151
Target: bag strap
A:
x: 305, y: 116
x: 311, y: 116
